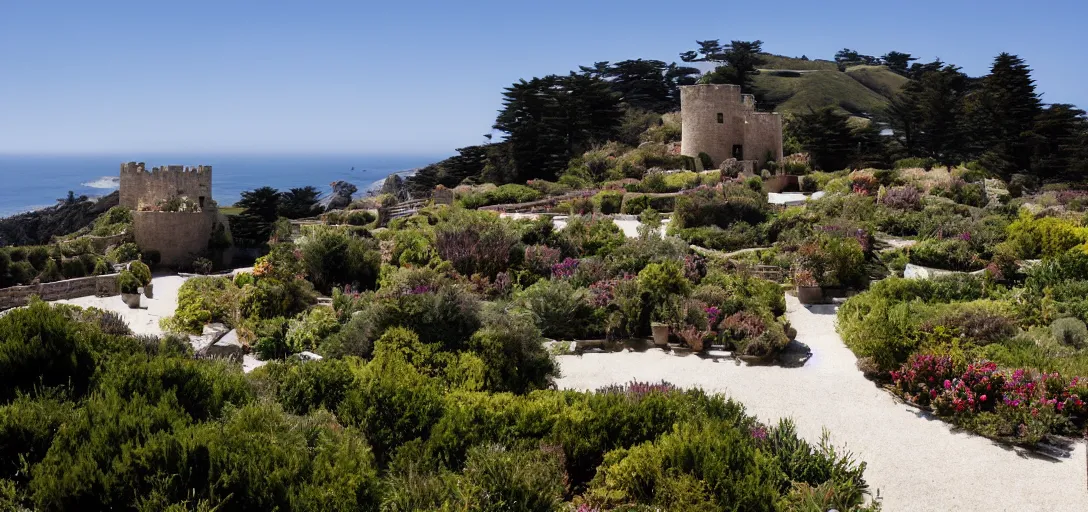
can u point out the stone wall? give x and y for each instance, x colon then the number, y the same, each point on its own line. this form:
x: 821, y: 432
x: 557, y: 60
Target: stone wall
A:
x: 101, y: 243
x: 142, y: 188
x: 762, y: 136
x: 715, y: 118
x: 178, y: 236
x: 102, y: 286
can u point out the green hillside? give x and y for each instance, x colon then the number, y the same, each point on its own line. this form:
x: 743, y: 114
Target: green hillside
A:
x: 793, y: 92
x: 878, y: 78
x: 783, y: 62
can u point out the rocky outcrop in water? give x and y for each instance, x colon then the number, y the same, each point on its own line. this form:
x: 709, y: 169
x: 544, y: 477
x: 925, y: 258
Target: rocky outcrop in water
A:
x: 341, y: 195
x: 40, y: 226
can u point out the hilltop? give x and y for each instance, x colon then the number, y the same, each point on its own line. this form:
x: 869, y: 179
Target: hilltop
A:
x: 794, y: 85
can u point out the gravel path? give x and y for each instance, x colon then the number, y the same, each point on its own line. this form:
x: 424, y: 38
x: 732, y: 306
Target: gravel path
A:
x: 146, y: 319
x: 915, y: 462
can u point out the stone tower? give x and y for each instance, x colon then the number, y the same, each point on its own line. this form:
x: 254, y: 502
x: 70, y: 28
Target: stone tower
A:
x: 141, y: 188
x: 720, y: 121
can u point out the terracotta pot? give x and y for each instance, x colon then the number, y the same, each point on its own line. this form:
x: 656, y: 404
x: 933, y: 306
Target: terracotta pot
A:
x: 810, y: 294
x: 661, y: 334
x: 148, y: 290
x: 131, y: 300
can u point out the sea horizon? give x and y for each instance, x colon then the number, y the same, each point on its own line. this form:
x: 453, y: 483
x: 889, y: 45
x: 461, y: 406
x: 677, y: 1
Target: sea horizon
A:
x: 33, y: 181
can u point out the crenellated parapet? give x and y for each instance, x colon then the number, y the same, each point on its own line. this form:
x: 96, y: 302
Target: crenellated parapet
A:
x: 141, y: 188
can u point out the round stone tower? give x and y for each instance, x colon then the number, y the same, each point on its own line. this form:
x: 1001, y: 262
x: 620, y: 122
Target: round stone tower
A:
x: 713, y: 118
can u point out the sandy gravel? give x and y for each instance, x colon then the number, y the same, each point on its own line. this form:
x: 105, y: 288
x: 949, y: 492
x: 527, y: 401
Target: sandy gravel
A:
x: 146, y: 319
x: 915, y: 462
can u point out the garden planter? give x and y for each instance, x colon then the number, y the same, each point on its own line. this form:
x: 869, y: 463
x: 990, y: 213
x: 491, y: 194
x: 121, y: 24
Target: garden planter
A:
x: 810, y: 294
x: 661, y: 334
x: 131, y: 300
x: 148, y: 290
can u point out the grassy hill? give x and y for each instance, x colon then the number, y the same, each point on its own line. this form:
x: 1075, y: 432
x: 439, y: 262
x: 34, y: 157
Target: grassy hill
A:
x: 783, y: 62
x: 878, y: 78
x: 794, y: 85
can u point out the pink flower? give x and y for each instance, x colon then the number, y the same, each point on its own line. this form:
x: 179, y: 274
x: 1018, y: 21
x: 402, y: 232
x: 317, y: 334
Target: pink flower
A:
x: 983, y: 398
x: 947, y: 384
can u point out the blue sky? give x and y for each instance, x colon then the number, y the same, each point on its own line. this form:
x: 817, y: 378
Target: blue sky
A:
x: 421, y: 76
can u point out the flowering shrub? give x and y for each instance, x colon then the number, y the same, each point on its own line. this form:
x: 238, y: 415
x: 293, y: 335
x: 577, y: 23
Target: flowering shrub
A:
x: 541, y: 258
x: 1024, y: 405
x: 902, y: 198
x: 864, y: 183
x: 636, y: 389
x: 743, y: 325
x: 565, y: 268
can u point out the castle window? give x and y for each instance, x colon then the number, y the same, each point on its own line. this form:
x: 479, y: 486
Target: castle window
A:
x: 721, y: 118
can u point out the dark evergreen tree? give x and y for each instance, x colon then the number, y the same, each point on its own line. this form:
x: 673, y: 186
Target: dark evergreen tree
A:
x: 1001, y: 115
x: 300, y: 202
x: 1060, y: 148
x: 548, y: 120
x: 898, y: 61
x: 826, y: 135
x: 738, y: 61
x: 927, y: 114
x: 253, y: 226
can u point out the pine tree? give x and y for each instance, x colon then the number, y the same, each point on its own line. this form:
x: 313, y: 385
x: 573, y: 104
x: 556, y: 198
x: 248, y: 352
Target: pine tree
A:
x: 1002, y: 113
x: 548, y: 120
x: 1060, y: 150
x: 826, y: 135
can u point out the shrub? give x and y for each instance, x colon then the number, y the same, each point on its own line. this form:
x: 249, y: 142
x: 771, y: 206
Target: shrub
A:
x: 560, y: 310
x: 523, y: 480
x: 202, y: 266
x: 949, y: 254
x: 737, y: 236
x: 51, y: 272
x: 660, y: 281
x: 971, y: 194
x: 541, y: 258
x: 5, y: 264
x: 832, y: 260
x: 1046, y: 237
x: 22, y: 272
x: 902, y: 198
x: 635, y: 204
x: 141, y: 271
x: 312, y: 385
x: 359, y: 217
x: 307, y: 332
x: 584, y: 236
x: 1070, y: 331
x: 392, y: 404
x: 115, y: 221
x: 332, y: 257
x: 608, y: 202
x: 509, y: 344
x: 475, y: 243
x: 123, y: 253
x: 38, y: 256
x: 202, y: 300
x: 72, y: 268
x: 41, y: 348
x: 711, y: 207
x: 915, y: 163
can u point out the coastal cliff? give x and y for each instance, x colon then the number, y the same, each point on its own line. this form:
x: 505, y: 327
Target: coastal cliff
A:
x: 39, y: 226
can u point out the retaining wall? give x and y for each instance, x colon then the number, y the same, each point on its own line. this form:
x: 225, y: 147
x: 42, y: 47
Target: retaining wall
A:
x: 178, y: 236
x: 102, y: 286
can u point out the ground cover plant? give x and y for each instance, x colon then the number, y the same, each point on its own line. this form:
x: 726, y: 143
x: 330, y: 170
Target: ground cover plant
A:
x: 94, y: 421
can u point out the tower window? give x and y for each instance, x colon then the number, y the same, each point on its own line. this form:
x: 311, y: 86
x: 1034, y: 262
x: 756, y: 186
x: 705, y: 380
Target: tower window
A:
x: 721, y: 118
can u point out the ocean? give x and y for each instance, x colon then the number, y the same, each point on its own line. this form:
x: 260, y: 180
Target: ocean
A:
x: 29, y: 182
